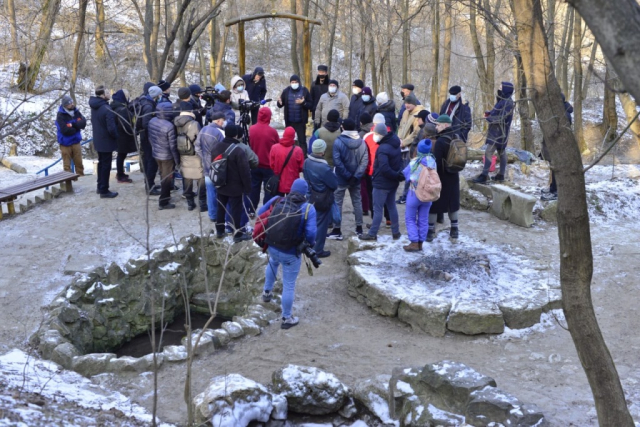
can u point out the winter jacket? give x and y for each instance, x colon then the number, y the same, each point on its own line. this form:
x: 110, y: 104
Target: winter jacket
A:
x: 198, y: 109
x: 318, y: 174
x: 163, y: 136
x: 350, y: 157
x: 409, y: 127
x: 144, y: 113
x: 165, y: 98
x: 365, y: 129
x: 449, y: 200
x: 461, y: 117
x: 328, y: 133
x: 237, y: 96
x: 262, y: 137
x: 388, y: 163
x: 388, y: 110
x: 256, y: 91
x: 338, y: 101
x: 126, y: 134
x: 317, y: 90
x: 308, y: 227
x: 369, y: 107
x: 403, y: 107
x: 372, y: 146
x: 69, y: 126
x: 500, y: 118
x: 238, y: 173
x: 105, y: 129
x: 305, y: 106
x: 207, y: 137
x: 252, y: 157
x: 278, y: 155
x: 224, y: 108
x: 356, y: 107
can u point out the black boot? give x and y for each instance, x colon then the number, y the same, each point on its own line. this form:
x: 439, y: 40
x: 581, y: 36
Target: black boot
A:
x: 431, y: 234
x: 480, y: 179
x: 191, y: 204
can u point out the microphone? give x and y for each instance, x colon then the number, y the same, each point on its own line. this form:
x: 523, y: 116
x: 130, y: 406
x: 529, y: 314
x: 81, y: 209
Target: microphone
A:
x: 264, y: 101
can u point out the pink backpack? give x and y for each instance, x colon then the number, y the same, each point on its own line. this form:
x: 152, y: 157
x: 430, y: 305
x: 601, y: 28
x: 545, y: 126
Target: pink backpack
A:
x: 428, y: 186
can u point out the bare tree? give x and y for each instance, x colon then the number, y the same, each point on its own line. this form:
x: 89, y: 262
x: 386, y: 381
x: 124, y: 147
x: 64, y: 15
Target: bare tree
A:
x: 576, y: 257
x: 15, y: 41
x: 435, y: 54
x: 577, y: 83
x: 609, y: 113
x: 294, y: 41
x: 446, y: 60
x: 332, y: 32
x: 101, y: 46
x: 82, y: 15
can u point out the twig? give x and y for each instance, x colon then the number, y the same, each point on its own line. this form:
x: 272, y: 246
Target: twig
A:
x: 615, y: 141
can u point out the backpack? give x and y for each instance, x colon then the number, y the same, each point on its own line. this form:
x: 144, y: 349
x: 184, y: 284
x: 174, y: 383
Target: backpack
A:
x: 284, y: 222
x: 260, y: 227
x: 429, y: 186
x: 456, y: 158
x: 219, y: 165
x: 184, y: 143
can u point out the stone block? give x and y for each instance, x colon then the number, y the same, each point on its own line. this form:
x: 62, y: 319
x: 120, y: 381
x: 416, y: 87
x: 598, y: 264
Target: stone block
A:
x: 549, y: 212
x: 63, y: 355
x: 551, y: 299
x: 373, y: 394
x: 92, y: 364
x: 380, y: 299
x: 512, y: 205
x: 234, y: 329
x: 485, y: 190
x: 249, y: 327
x: 135, y: 364
x: 174, y: 353
x: 476, y: 317
x: 222, y: 336
x: 520, y: 313
x: 205, y: 344
x: 492, y: 405
x: 51, y: 339
x: 426, y: 314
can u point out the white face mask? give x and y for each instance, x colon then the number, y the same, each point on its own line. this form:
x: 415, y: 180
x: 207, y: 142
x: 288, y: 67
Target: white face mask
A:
x: 295, y: 86
x: 224, y: 124
x: 240, y: 88
x: 356, y: 90
x: 453, y: 98
x: 366, y: 98
x: 377, y: 137
x: 333, y: 89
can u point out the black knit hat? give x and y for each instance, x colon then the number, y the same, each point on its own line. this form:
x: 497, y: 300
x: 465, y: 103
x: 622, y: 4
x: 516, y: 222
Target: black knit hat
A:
x: 348, y: 124
x: 454, y: 90
x: 164, y: 85
x: 365, y: 118
x: 358, y: 83
x: 184, y: 93
x: 333, y: 116
x: 334, y: 82
x: 232, y: 131
x: 407, y: 86
x: 323, y: 68
x: 294, y: 78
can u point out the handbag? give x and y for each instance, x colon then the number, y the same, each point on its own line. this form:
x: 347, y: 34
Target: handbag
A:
x: 322, y: 201
x: 271, y: 187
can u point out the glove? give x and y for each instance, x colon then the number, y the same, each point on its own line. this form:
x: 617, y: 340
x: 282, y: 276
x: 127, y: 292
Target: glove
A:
x: 401, y: 176
x: 353, y: 181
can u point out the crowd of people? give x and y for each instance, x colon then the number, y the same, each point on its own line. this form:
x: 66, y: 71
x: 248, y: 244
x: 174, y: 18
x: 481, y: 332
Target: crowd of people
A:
x: 358, y: 145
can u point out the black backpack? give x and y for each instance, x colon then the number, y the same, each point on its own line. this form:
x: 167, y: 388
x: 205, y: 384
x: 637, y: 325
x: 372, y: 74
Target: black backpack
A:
x: 219, y: 165
x: 284, y: 223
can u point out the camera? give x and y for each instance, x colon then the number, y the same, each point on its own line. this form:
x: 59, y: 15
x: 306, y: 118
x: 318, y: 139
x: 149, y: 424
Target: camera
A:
x: 246, y: 106
x: 210, y: 96
x: 306, y: 249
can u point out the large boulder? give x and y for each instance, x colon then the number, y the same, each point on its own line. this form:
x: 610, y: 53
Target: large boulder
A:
x: 425, y: 313
x: 310, y: 390
x: 492, y: 405
x: 92, y: 364
x: 234, y: 401
x: 372, y: 291
x: 374, y: 395
x: 476, y: 317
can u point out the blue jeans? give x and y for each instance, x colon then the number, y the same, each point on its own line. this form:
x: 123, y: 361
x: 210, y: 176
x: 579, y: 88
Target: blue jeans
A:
x: 259, y: 178
x: 212, y: 204
x: 322, y: 222
x: 290, y: 269
x: 382, y: 198
x: 244, y: 218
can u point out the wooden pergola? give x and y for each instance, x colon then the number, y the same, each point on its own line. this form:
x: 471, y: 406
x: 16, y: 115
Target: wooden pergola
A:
x: 306, y: 37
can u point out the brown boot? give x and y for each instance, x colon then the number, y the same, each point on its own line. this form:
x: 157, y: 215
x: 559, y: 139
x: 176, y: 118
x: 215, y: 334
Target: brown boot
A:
x: 420, y: 245
x: 412, y: 247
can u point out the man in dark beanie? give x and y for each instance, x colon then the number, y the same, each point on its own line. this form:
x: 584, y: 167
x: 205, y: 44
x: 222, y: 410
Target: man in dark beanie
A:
x: 406, y: 90
x: 334, y: 99
x: 319, y: 88
x: 459, y: 112
x: 105, y: 137
x: 356, y: 106
x: 369, y: 105
x: 296, y: 101
x: 329, y: 131
x: 69, y: 123
x: 165, y: 86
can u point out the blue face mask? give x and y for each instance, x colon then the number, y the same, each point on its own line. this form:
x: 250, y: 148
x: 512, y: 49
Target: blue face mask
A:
x: 366, y: 98
x: 453, y: 98
x: 240, y: 88
x: 295, y: 86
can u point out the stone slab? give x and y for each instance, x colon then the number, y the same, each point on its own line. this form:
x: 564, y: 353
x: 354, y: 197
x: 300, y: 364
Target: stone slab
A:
x: 476, y: 317
x: 426, y: 314
x: 520, y: 313
x: 512, y: 205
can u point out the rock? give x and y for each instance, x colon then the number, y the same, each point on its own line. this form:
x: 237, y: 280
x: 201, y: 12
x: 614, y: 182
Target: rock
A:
x: 356, y: 245
x: 419, y: 414
x: 550, y: 212
x: 135, y: 364
x: 174, y: 353
x: 222, y: 336
x: 233, y: 328
x: 473, y: 200
x: 551, y: 300
x: 476, y: 317
x: 494, y: 405
x: 63, y: 354
x: 205, y: 344
x: 280, y: 407
x: 49, y: 341
x: 82, y: 263
x: 520, y: 313
x: 425, y: 313
x: 309, y: 390
x: 233, y: 401
x: 512, y: 205
x: 349, y: 410
x: 249, y: 327
x: 92, y: 364
x: 483, y: 189
x: 69, y: 313
x: 374, y: 395
x: 448, y: 385
x: 372, y: 291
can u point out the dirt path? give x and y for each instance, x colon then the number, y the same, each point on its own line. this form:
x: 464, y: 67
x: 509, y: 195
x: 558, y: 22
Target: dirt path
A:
x: 336, y: 332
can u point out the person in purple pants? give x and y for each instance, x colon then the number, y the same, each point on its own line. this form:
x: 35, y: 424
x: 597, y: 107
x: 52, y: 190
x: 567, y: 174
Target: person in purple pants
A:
x: 416, y: 214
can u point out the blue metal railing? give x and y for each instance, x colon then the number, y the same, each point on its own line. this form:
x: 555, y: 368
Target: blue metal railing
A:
x: 73, y: 166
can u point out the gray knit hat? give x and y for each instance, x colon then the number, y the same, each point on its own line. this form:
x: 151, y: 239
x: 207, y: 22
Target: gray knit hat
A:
x: 381, y: 129
x: 66, y: 101
x: 155, y: 91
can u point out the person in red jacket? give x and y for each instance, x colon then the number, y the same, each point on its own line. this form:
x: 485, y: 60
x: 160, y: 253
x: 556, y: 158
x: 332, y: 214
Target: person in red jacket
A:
x: 262, y: 137
x: 278, y: 155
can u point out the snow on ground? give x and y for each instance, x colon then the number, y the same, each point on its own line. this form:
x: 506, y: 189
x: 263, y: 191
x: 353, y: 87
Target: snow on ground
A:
x: 60, y: 392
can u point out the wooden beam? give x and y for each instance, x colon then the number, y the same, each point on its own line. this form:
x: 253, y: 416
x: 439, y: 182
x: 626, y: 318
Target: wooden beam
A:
x: 306, y: 54
x: 241, y: 52
x: 272, y: 15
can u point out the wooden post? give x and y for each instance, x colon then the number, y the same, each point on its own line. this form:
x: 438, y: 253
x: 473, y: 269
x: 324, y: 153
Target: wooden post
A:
x: 241, y: 52
x: 306, y: 53
x: 11, y: 208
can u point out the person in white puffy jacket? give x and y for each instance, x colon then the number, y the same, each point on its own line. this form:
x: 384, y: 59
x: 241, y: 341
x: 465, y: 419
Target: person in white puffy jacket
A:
x: 238, y: 92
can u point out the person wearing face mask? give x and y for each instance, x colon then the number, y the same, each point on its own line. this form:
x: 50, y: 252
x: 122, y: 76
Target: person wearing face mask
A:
x: 238, y: 92
x: 372, y: 146
x: 356, y: 105
x: 144, y: 112
x: 387, y: 107
x: 69, y: 123
x: 256, y: 88
x: 165, y: 86
x: 334, y: 99
x: 499, y: 119
x: 407, y: 132
x: 296, y: 101
x: 368, y: 102
x: 222, y: 105
x: 105, y: 137
x: 262, y: 137
x: 405, y: 90
x: 329, y: 131
x: 207, y: 138
x: 459, y: 112
x: 319, y: 87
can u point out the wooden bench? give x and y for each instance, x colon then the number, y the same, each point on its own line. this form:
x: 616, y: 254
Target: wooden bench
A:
x: 10, y: 194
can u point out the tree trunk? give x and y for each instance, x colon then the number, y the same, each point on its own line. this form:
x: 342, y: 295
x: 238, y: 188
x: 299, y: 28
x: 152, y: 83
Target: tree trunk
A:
x: 446, y: 62
x: 435, y: 54
x: 526, y: 134
x: 170, y: 7
x: 405, y: 39
x: 587, y: 79
x: 294, y: 41
x: 388, y: 55
x: 487, y: 95
x: 610, y: 114
x: 577, y: 83
x: 491, y: 50
x: 28, y: 73
x: 15, y: 41
x: 334, y: 22
x: 82, y: 15
x: 203, y: 65
x: 551, y: 29
x: 566, y: 48
x: 101, y: 46
x: 630, y: 111
x: 576, y: 257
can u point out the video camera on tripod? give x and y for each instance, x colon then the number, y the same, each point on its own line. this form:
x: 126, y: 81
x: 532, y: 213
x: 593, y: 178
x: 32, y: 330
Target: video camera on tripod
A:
x: 210, y: 96
x: 246, y: 106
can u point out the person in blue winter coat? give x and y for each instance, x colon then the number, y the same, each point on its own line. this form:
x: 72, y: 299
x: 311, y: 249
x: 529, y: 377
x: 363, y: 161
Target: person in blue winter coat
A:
x: 222, y: 105
x: 105, y: 137
x: 302, y: 213
x: 257, y: 89
x: 69, y: 124
x: 387, y: 174
x: 499, y: 119
x: 163, y: 140
x: 416, y: 215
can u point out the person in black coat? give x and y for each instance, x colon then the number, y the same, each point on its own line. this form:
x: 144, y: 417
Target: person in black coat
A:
x: 459, y: 112
x: 144, y: 110
x: 296, y: 101
x: 449, y: 201
x: 552, y: 192
x: 105, y: 137
x: 256, y: 86
x: 319, y: 88
x: 356, y: 105
x: 126, y: 134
